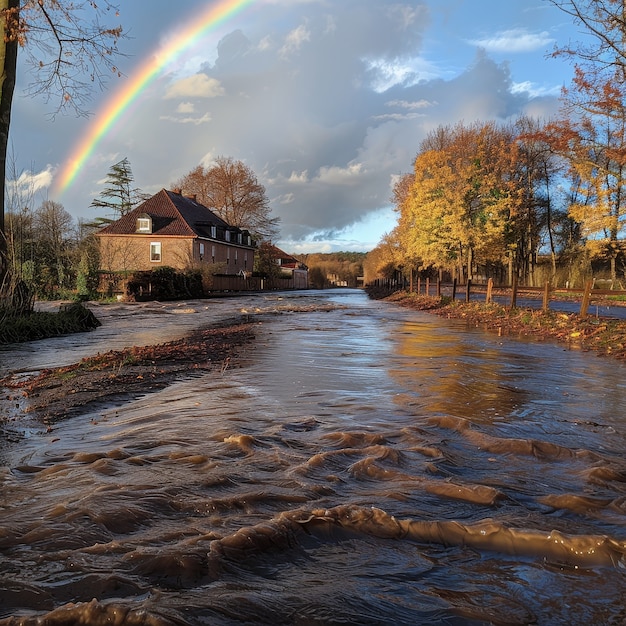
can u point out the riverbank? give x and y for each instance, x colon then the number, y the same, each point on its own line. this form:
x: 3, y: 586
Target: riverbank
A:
x: 606, y: 337
x: 57, y: 393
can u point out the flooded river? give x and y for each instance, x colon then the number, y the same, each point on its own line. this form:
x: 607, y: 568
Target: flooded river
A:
x: 367, y: 465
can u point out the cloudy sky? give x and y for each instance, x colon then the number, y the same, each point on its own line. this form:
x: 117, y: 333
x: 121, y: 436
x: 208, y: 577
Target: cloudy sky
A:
x: 326, y: 100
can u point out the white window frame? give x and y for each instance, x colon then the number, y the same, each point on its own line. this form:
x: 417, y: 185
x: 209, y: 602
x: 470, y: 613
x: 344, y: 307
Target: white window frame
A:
x: 156, y: 253
x: 144, y: 225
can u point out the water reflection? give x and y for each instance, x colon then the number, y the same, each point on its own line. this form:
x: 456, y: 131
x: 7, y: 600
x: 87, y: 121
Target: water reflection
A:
x: 371, y: 465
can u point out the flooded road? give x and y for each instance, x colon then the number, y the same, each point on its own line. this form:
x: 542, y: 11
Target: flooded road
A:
x: 368, y: 465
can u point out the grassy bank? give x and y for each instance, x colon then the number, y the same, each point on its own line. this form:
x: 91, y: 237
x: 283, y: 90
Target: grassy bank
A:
x: 71, y: 318
x: 601, y: 335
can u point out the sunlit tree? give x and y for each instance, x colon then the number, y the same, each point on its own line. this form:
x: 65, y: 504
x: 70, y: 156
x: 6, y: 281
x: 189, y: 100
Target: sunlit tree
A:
x: 461, y: 200
x: 539, y: 219
x: 231, y: 190
x: 591, y: 134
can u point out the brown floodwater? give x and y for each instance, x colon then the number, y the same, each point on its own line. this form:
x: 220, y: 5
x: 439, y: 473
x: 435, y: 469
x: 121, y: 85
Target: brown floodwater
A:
x: 367, y: 465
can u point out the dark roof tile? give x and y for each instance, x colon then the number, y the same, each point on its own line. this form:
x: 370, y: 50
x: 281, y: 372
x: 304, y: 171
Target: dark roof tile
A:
x: 172, y: 214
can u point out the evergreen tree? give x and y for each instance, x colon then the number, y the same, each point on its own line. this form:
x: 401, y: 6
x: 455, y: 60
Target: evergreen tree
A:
x: 118, y: 194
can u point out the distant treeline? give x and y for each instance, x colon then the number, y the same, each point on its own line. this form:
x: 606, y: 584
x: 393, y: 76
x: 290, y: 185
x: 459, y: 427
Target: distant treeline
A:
x: 334, y: 269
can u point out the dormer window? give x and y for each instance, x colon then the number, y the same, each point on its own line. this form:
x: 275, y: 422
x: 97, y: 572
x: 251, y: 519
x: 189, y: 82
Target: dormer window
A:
x: 227, y: 235
x: 144, y: 223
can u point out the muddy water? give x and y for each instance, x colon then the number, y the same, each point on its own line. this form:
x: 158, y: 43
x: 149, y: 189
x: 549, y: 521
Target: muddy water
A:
x: 369, y: 465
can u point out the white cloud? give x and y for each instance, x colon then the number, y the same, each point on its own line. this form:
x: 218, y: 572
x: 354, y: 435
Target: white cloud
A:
x: 31, y: 182
x: 514, y: 40
x: 534, y: 90
x: 341, y: 175
x: 288, y: 198
x: 405, y: 104
x: 294, y: 40
x: 196, y: 86
x: 185, y: 107
x: 388, y: 73
x: 299, y: 177
x: 196, y: 121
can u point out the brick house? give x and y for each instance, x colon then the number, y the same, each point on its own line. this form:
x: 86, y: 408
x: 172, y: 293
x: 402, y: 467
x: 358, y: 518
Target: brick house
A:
x: 173, y: 230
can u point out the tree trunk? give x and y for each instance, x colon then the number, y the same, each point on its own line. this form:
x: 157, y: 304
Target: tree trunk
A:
x: 8, y: 69
x: 613, y: 269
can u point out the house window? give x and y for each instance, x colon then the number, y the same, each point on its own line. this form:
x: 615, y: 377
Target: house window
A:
x: 214, y: 232
x: 144, y: 224
x: 227, y: 256
x: 245, y: 260
x: 155, y: 251
x: 236, y: 256
x: 239, y: 236
x: 201, y: 251
x: 227, y: 235
x: 212, y: 254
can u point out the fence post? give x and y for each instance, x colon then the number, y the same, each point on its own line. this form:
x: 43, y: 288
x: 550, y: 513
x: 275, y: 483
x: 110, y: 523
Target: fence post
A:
x: 514, y: 291
x: 453, y: 289
x: 439, y: 287
x: 468, y: 289
x: 546, y: 296
x: 489, y: 289
x: 584, y: 305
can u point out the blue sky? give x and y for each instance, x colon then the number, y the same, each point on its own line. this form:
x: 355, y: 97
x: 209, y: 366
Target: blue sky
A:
x: 326, y: 100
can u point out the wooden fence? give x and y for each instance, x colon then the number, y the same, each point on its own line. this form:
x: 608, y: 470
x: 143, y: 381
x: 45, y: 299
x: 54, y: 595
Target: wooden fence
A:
x: 586, y: 295
x: 231, y: 282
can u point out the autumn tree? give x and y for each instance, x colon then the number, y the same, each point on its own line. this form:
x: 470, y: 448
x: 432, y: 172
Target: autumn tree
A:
x: 591, y: 134
x: 604, y: 23
x: 118, y: 195
x: 539, y: 218
x: 231, y: 190
x: 384, y: 260
x: 68, y: 48
x: 463, y: 194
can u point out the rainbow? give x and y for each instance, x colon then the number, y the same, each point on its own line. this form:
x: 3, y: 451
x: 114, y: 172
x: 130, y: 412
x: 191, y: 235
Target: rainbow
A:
x: 216, y: 14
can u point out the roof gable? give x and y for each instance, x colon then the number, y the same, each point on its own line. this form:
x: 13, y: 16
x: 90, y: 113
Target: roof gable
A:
x: 171, y: 214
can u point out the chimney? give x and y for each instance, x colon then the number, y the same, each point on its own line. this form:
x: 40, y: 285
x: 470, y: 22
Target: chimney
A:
x: 178, y: 190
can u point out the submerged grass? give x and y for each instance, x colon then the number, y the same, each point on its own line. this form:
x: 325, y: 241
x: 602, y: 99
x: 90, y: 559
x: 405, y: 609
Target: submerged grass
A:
x: 606, y: 336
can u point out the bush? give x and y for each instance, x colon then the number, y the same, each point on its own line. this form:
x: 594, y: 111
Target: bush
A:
x: 165, y: 283
x: 71, y: 318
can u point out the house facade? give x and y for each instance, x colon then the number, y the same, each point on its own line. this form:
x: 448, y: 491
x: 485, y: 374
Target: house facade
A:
x: 173, y: 230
